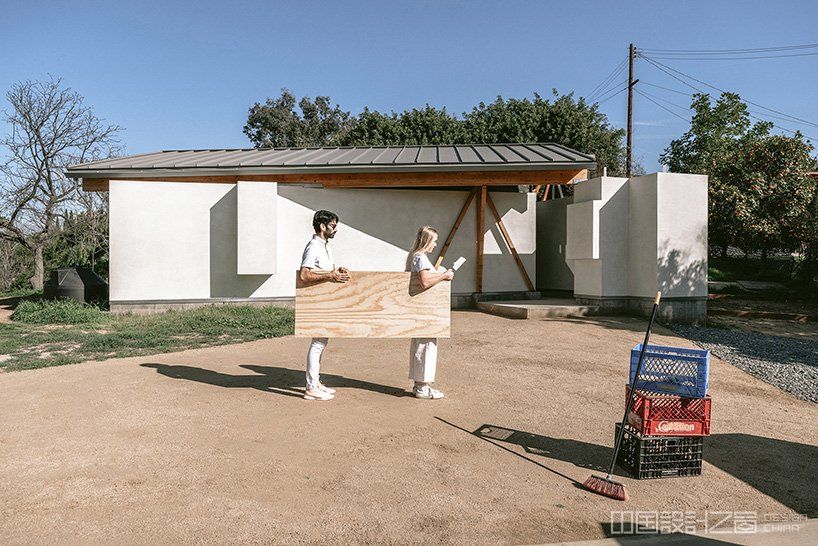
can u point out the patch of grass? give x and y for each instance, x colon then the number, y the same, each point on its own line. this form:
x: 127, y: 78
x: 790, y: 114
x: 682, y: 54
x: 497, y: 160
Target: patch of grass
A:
x: 98, y: 335
x: 57, y: 312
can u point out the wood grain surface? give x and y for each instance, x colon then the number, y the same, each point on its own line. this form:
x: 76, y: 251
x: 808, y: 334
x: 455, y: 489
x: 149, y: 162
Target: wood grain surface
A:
x: 373, y: 304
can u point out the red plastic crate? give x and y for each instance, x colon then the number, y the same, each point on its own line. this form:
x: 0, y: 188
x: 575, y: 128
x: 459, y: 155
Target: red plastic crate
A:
x: 655, y: 414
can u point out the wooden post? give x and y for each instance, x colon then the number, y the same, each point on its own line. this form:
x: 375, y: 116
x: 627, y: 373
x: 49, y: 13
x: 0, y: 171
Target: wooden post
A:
x: 510, y: 244
x: 481, y: 215
x: 454, y: 229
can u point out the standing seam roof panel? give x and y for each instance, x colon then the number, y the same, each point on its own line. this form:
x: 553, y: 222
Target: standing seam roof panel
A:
x: 573, y: 154
x: 507, y: 153
x: 280, y: 157
x: 542, y: 152
x: 560, y: 154
x: 447, y: 154
x: 306, y: 157
x: 340, y: 157
x: 427, y: 155
x: 408, y: 155
x: 227, y: 159
x: 387, y: 156
x: 488, y: 154
x: 368, y: 156
x: 196, y: 159
x: 467, y: 154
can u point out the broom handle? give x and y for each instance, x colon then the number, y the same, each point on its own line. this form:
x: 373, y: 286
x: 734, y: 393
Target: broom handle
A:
x: 632, y: 391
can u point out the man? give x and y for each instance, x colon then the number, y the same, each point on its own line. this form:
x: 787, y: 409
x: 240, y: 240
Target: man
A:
x: 318, y: 265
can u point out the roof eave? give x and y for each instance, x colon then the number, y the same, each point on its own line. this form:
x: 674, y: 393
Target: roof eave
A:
x: 126, y: 174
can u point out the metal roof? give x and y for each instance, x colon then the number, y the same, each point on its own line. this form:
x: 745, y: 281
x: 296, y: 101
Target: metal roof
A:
x: 477, y: 157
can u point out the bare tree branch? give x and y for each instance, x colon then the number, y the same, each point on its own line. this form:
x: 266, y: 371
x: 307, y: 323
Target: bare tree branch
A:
x: 51, y: 128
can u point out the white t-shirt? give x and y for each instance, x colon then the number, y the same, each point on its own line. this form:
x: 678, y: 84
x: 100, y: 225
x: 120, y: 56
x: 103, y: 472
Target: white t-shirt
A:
x: 318, y: 255
x: 420, y: 262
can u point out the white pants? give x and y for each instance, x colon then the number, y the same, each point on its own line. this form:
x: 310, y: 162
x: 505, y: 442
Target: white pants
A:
x: 314, y: 360
x: 423, y: 359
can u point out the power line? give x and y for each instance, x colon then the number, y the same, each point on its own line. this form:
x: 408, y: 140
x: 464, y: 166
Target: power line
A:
x: 687, y: 58
x: 612, y: 96
x: 665, y: 88
x: 689, y: 108
x: 745, y: 50
x: 663, y: 107
x: 608, y: 77
x: 606, y: 95
x: 660, y: 66
x: 751, y: 113
x: 613, y: 84
x: 686, y: 108
x: 598, y: 90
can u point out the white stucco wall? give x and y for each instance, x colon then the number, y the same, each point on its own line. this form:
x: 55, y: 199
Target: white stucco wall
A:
x: 256, y: 240
x: 681, y: 210
x: 600, y: 269
x: 173, y: 241
x: 634, y: 237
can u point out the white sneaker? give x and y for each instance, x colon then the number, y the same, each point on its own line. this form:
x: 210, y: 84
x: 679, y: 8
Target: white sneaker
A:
x: 317, y: 394
x: 427, y: 392
x: 325, y: 388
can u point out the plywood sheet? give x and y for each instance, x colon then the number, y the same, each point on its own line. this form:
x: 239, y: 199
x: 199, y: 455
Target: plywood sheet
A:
x: 373, y: 304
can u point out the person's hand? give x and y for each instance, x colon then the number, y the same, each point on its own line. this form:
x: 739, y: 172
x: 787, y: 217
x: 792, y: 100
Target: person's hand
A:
x: 448, y: 275
x: 339, y: 275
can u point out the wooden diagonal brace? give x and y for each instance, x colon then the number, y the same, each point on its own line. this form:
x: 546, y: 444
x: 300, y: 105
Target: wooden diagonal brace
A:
x: 453, y: 231
x: 510, y: 244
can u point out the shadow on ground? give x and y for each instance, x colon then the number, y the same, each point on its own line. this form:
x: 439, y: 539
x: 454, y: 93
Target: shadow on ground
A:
x: 580, y: 453
x: 785, y: 471
x: 284, y: 381
x: 780, y: 469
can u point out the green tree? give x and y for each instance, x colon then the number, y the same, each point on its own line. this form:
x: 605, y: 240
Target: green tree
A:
x: 418, y: 126
x: 562, y: 119
x: 759, y: 188
x: 276, y: 123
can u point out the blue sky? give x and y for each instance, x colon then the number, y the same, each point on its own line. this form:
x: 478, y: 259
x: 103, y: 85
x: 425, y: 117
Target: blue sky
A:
x: 183, y: 74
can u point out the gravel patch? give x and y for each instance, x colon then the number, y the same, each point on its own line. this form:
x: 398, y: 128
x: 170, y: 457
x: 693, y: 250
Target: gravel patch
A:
x: 789, y: 364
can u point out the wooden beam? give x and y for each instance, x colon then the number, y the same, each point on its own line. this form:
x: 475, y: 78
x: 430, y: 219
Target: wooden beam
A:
x: 454, y: 229
x: 481, y: 217
x: 545, y: 193
x: 581, y: 175
x: 94, y: 184
x: 364, y: 180
x: 510, y: 244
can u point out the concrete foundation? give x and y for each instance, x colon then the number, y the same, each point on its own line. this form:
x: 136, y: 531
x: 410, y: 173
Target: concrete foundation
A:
x: 671, y: 310
x: 147, y: 307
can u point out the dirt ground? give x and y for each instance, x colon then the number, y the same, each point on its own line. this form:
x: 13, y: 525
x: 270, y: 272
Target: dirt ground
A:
x: 216, y: 444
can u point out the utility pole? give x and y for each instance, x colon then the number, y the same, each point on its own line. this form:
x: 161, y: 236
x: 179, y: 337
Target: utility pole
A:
x: 629, y: 146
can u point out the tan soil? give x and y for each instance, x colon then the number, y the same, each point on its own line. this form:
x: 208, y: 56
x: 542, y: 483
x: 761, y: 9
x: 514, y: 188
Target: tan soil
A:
x: 216, y: 444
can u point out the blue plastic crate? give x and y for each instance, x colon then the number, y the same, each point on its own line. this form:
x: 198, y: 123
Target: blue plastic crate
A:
x: 672, y: 370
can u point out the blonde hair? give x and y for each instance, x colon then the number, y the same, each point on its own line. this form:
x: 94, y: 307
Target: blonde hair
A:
x: 422, y: 240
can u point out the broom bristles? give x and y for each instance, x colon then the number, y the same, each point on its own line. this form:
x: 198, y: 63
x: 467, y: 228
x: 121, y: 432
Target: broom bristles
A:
x: 606, y: 487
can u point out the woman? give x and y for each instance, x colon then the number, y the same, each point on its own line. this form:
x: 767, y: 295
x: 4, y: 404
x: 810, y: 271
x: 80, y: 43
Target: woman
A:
x: 423, y: 351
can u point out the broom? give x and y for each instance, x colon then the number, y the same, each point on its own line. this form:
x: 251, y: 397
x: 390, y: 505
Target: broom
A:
x: 606, y: 486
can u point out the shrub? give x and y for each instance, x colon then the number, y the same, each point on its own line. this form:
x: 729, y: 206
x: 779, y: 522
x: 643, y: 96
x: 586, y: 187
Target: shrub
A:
x: 63, y: 311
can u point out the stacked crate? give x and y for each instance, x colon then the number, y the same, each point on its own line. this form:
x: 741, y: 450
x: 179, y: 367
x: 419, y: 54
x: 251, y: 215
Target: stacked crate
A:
x: 670, y: 415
